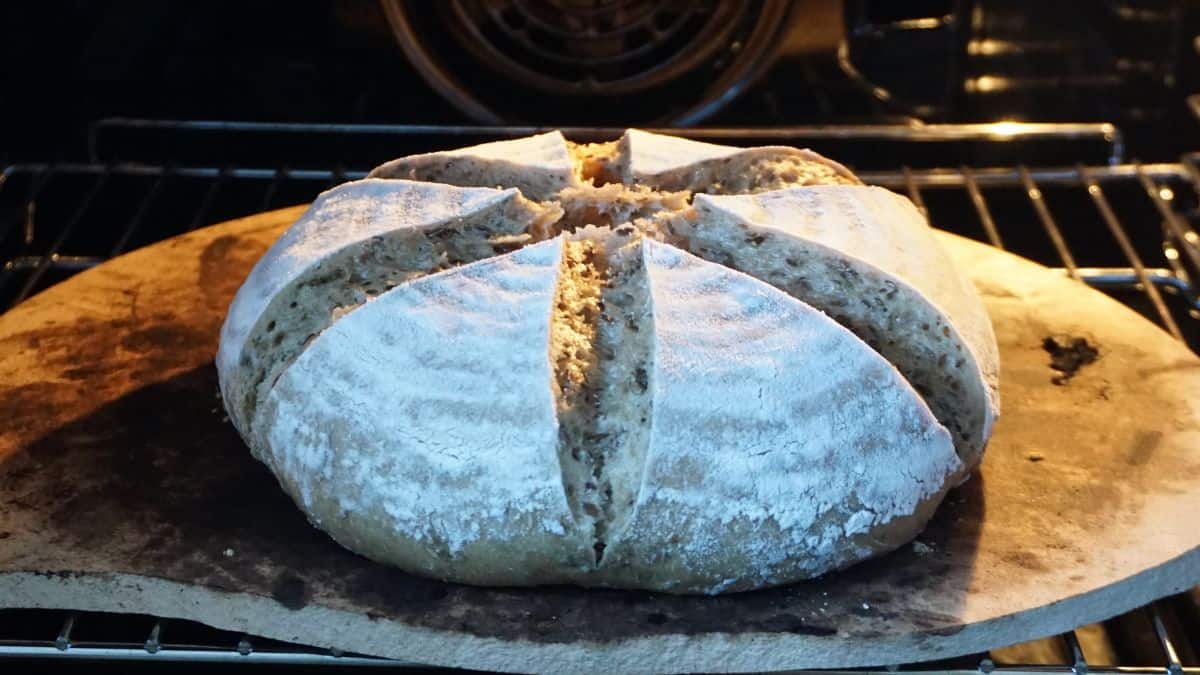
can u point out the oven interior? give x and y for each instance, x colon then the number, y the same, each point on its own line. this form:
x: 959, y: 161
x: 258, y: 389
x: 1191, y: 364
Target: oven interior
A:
x: 1065, y: 135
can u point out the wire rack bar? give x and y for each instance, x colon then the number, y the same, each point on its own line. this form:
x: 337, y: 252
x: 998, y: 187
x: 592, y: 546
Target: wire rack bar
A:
x: 1079, y: 665
x: 42, y: 176
x: 931, y: 178
x: 281, y: 174
x: 1011, y: 177
x: 210, y: 195
x: 990, y: 131
x: 63, y: 234
x: 1118, y: 232
x: 1127, y: 277
x: 62, y: 262
x: 63, y: 641
x: 139, y: 169
x: 341, y: 175
x: 1184, y: 236
x: 4, y: 181
x: 1164, y: 640
x: 167, y: 653
x: 246, y: 655
x: 153, y: 644
x: 987, y: 667
x: 1043, y: 212
x: 139, y: 215
x: 981, y: 207
x: 914, y: 192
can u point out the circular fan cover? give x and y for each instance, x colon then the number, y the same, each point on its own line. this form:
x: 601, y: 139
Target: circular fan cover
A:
x: 588, y: 61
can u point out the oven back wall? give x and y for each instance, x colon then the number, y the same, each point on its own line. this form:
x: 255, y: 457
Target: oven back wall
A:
x: 68, y: 63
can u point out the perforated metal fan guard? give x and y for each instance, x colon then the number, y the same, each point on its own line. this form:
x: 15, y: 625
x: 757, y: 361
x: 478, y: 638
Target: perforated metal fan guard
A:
x: 664, y: 61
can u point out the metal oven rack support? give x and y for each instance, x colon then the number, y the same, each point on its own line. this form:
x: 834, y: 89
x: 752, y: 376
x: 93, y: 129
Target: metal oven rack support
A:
x: 1166, y: 284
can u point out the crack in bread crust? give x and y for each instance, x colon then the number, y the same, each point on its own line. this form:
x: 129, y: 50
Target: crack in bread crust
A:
x: 573, y: 354
x: 625, y: 346
x: 601, y: 346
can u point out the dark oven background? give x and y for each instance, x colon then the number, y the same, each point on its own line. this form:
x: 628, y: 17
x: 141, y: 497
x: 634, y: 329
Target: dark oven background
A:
x: 1128, y: 62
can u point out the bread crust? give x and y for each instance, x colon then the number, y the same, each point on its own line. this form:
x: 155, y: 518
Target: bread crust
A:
x: 577, y: 381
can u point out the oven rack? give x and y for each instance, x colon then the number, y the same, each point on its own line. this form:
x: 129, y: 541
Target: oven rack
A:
x: 1068, y: 650
x: 1126, y: 228
x: 199, y: 644
x: 33, y: 257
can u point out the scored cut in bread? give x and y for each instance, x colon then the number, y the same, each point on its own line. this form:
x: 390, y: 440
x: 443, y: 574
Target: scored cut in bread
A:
x: 640, y: 380
x: 420, y: 430
x: 355, y: 241
x: 865, y: 256
x: 539, y: 166
x: 451, y: 460
x: 672, y: 163
x: 780, y: 445
x: 603, y: 370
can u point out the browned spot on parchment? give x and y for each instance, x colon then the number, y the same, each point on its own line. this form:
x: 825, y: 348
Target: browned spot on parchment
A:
x: 224, y: 264
x: 1143, y: 447
x: 1025, y: 559
x: 153, y: 330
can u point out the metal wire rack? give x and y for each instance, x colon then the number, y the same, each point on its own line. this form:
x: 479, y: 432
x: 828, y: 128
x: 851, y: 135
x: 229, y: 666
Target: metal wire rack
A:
x: 1126, y: 228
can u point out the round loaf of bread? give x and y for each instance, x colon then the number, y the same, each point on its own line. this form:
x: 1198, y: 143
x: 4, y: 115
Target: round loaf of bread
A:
x: 652, y: 363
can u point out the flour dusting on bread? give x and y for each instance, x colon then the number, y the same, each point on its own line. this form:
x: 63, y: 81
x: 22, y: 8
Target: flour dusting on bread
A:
x: 650, y: 363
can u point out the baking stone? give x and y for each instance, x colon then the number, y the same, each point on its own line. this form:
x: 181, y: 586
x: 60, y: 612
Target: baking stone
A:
x: 124, y: 489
